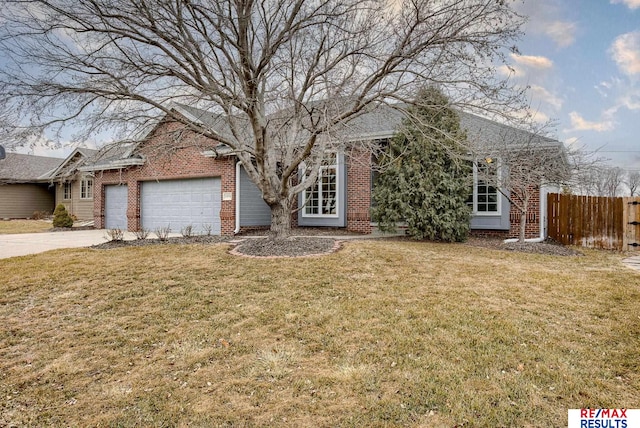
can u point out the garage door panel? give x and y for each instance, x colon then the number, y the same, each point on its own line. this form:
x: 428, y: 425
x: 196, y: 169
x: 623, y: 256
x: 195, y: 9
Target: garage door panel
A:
x: 181, y: 203
x: 115, y: 207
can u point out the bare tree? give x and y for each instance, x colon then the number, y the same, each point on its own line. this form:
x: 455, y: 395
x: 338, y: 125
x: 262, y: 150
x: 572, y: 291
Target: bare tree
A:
x: 282, y: 78
x: 606, y: 180
x: 518, y: 163
x: 591, y: 174
x: 633, y: 182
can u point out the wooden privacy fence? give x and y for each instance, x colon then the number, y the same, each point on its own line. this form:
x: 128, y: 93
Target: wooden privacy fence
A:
x: 593, y: 221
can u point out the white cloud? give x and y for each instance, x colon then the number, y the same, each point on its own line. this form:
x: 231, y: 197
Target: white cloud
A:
x: 625, y: 51
x: 631, y: 4
x: 621, y: 94
x: 541, y: 93
x: 539, y: 116
x: 530, y: 114
x: 544, y: 18
x: 631, y: 101
x: 579, y: 123
x: 563, y: 33
x: 571, y: 141
x: 507, y: 71
x: 530, y: 61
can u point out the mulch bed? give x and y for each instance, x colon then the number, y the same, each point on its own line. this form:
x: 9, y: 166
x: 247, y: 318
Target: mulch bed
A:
x: 201, y: 239
x: 259, y: 247
x: 320, y: 243
x: 548, y: 247
x: 290, y: 247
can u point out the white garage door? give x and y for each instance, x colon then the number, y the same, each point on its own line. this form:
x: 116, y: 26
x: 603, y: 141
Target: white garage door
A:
x: 115, y: 207
x: 180, y: 203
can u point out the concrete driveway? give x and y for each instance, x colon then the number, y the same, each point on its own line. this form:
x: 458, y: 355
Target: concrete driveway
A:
x: 33, y: 243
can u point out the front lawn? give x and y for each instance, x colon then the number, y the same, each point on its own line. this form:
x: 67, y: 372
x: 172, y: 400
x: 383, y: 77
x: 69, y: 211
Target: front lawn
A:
x: 377, y: 334
x: 24, y: 226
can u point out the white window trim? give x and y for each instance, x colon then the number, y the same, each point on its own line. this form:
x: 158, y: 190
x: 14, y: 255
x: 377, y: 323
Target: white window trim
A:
x: 474, y: 207
x: 338, y: 184
x: 84, y: 188
x: 66, y: 197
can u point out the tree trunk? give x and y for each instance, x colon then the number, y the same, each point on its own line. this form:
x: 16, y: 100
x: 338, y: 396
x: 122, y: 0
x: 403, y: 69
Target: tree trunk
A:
x: 281, y: 219
x: 523, y: 225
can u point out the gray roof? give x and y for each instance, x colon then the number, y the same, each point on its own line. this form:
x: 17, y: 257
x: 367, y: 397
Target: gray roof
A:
x: 376, y: 123
x: 383, y: 121
x: 70, y: 164
x: 20, y: 168
x: 113, y: 156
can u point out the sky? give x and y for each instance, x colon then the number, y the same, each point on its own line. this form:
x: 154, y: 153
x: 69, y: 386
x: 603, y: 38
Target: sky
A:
x: 581, y: 59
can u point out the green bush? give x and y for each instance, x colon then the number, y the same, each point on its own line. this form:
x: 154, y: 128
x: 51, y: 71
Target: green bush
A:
x: 61, y: 217
x: 425, y: 176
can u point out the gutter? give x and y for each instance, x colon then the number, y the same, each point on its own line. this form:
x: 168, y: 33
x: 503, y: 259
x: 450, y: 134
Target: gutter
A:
x: 237, y: 229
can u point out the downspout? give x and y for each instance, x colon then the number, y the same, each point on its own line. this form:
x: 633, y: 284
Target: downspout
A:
x: 543, y: 212
x: 237, y: 229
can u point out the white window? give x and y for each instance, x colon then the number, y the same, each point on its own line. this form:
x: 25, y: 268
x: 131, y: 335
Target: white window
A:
x: 485, y: 199
x: 66, y: 191
x: 321, y: 199
x: 86, y: 188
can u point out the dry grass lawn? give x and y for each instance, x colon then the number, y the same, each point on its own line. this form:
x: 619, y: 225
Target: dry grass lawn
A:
x: 23, y: 226
x: 380, y: 334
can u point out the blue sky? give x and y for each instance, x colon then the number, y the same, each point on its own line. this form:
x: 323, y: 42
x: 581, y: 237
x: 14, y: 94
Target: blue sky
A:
x: 582, y: 62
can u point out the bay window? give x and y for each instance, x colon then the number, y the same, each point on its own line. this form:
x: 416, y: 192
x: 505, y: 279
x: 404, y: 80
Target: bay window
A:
x: 321, y: 199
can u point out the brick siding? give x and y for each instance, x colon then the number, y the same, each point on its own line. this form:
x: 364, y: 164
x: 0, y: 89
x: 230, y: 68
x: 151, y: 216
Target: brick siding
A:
x: 166, y: 164
x: 166, y: 160
x: 359, y: 190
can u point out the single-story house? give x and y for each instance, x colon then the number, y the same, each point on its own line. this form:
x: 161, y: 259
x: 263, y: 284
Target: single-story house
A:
x: 157, y: 183
x: 24, y: 187
x: 74, y: 188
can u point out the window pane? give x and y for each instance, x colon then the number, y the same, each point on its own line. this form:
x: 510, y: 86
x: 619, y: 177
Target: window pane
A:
x: 321, y: 198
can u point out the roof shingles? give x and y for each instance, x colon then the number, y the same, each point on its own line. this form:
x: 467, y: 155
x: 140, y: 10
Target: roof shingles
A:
x: 21, y: 168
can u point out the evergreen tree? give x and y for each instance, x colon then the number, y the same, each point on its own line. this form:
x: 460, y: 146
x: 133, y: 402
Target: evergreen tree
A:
x: 425, y: 179
x: 61, y: 217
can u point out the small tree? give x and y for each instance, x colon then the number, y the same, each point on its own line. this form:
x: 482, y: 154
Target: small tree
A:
x: 518, y: 163
x: 61, y: 217
x: 425, y: 177
x: 633, y: 182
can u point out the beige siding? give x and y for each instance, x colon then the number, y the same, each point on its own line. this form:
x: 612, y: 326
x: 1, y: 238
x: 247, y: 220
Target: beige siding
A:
x: 82, y: 209
x: 22, y: 200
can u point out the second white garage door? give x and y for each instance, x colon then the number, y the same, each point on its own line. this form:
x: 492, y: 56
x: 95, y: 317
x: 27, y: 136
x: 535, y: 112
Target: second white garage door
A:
x: 180, y: 203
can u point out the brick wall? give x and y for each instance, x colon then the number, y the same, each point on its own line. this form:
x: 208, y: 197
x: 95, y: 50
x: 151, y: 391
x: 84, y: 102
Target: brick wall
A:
x: 532, y: 229
x: 358, y: 190
x: 167, y: 160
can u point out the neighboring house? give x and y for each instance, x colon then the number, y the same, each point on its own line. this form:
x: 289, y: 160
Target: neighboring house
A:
x: 149, y: 185
x: 74, y: 188
x: 24, y: 188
